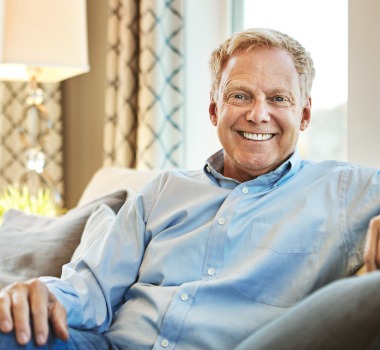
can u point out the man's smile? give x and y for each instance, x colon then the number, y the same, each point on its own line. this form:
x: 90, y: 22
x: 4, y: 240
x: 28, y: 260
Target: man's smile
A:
x: 256, y: 137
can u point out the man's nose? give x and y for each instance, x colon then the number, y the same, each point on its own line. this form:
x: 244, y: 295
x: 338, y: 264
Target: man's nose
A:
x: 258, y: 112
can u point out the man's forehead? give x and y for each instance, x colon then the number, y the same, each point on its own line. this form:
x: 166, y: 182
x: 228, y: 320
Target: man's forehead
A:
x: 272, y: 65
x: 268, y: 57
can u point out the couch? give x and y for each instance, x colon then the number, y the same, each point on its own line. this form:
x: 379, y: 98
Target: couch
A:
x: 33, y: 246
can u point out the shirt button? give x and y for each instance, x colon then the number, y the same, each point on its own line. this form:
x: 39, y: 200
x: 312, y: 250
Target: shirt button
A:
x: 165, y: 343
x: 221, y: 221
x: 245, y: 190
x: 211, y: 271
x: 208, y: 169
x: 184, y: 297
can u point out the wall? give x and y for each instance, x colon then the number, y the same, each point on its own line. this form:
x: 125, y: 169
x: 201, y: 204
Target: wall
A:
x: 211, y: 27
x: 363, y: 82
x: 83, y: 109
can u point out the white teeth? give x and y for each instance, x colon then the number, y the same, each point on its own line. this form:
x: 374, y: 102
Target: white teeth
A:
x: 256, y: 137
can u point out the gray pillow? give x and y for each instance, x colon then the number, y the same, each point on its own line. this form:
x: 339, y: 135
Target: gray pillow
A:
x: 33, y: 246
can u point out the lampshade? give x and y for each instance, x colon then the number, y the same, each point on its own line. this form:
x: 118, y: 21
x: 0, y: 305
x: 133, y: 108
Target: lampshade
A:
x: 50, y: 35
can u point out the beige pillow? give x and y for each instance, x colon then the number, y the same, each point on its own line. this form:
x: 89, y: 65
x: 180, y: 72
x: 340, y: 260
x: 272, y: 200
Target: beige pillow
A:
x: 33, y: 246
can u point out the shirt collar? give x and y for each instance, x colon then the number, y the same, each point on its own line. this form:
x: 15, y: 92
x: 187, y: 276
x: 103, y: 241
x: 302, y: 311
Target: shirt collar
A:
x: 215, y: 164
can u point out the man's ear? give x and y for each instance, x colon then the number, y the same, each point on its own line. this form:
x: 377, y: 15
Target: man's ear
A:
x: 212, y: 110
x: 306, y: 115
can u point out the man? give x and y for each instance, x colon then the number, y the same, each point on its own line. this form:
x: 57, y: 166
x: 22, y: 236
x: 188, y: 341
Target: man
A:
x: 226, y: 256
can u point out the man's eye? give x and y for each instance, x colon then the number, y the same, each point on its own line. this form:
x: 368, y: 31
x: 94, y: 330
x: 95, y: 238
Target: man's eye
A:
x: 239, y: 96
x: 279, y: 99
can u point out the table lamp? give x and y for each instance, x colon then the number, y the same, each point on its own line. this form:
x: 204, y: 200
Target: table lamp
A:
x: 41, y: 41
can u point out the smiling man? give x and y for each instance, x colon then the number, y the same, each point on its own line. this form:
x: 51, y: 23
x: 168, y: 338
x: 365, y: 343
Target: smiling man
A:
x: 258, y: 109
x: 244, y: 253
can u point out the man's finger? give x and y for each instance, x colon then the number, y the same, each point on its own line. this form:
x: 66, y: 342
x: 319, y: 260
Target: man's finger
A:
x: 20, y: 312
x: 6, y: 322
x: 38, y: 301
x: 58, y: 319
x: 372, y: 245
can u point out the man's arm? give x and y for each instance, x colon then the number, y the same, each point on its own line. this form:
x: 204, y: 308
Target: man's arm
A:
x: 31, y: 299
x: 94, y: 274
x: 372, y: 245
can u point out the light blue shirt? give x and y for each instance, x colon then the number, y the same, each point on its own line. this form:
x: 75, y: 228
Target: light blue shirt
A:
x: 199, y: 261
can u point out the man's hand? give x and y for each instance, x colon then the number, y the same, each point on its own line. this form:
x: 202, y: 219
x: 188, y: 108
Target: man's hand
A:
x: 21, y: 303
x: 372, y: 245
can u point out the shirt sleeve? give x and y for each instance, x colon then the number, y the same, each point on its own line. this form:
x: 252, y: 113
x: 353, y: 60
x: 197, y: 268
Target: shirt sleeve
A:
x: 93, y: 287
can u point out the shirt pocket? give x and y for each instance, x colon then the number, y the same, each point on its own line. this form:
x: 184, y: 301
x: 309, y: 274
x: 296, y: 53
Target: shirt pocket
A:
x: 279, y: 263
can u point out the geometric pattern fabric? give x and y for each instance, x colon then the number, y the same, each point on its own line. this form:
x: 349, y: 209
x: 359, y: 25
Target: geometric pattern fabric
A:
x: 14, y: 123
x: 144, y: 84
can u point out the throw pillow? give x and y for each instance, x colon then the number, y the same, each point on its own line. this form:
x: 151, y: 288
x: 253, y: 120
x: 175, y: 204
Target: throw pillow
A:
x: 97, y: 225
x: 33, y: 246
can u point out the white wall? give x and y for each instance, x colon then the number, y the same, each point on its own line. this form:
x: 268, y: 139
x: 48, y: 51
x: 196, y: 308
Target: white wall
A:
x: 363, y: 137
x: 207, y: 25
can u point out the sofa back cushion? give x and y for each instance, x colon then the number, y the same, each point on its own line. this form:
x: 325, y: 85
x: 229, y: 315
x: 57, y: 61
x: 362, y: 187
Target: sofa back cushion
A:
x: 109, y: 179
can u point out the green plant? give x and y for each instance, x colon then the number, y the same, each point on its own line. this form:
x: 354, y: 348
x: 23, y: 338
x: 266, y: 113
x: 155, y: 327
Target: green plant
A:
x: 39, y: 202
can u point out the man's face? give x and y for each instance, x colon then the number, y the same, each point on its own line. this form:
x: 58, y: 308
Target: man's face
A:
x: 258, y: 112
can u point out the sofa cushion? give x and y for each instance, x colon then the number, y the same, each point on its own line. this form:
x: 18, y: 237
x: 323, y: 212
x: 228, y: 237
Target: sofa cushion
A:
x: 33, y: 246
x: 96, y: 227
x: 109, y: 179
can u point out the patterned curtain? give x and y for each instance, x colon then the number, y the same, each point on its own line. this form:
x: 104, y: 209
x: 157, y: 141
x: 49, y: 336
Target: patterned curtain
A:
x: 144, y: 92
x: 13, y: 122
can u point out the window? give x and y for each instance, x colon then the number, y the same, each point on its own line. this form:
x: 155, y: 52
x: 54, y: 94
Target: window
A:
x: 322, y: 28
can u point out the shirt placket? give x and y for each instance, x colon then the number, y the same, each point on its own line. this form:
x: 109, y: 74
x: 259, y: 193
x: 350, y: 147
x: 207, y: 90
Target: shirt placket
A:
x: 175, y: 316
x: 213, y: 263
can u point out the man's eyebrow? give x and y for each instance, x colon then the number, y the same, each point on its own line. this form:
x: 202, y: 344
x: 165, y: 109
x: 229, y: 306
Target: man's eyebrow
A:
x: 278, y: 90
x: 236, y: 86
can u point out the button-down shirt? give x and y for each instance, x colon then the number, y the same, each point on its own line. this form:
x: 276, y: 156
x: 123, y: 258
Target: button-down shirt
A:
x: 196, y: 260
